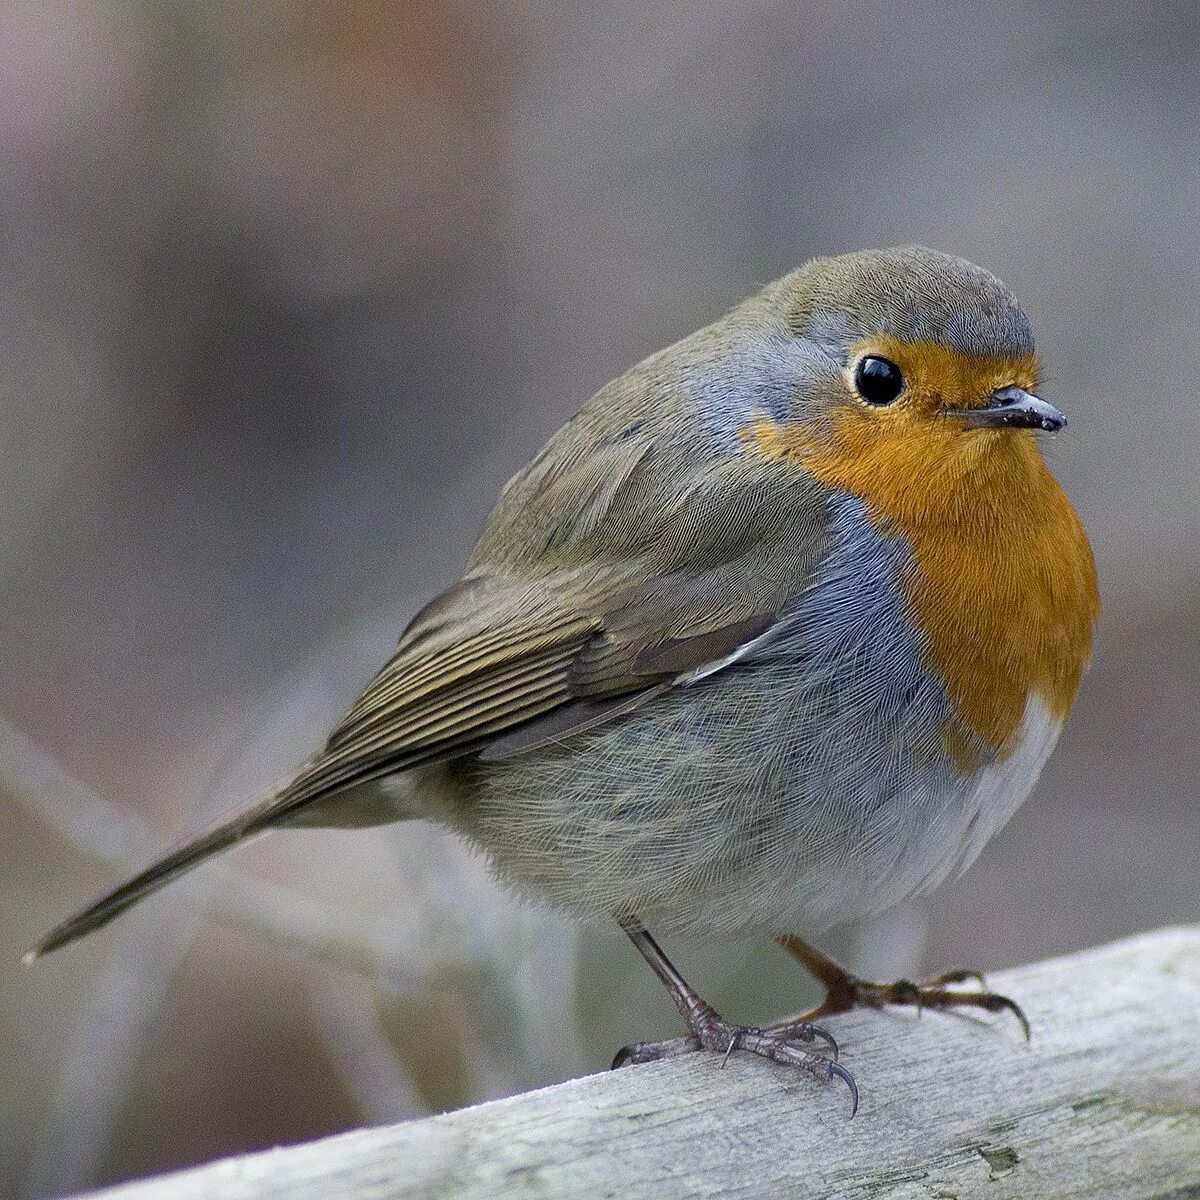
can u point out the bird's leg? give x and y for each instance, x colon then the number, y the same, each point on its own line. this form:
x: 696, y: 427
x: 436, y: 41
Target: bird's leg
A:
x: 710, y: 1031
x: 844, y: 991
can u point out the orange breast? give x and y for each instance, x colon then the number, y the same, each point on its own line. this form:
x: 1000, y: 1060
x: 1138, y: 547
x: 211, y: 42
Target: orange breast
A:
x: 1005, y: 584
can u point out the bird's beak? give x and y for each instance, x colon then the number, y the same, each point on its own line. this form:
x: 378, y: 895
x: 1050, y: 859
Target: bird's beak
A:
x: 1013, y: 408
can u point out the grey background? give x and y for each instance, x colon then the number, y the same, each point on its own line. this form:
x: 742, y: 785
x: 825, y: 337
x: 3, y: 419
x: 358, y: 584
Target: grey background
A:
x: 290, y: 289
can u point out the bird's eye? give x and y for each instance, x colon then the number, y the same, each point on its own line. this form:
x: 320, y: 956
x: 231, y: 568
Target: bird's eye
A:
x: 878, y: 380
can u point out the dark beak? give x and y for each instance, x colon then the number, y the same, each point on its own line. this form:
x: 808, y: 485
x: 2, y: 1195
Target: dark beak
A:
x: 1013, y: 408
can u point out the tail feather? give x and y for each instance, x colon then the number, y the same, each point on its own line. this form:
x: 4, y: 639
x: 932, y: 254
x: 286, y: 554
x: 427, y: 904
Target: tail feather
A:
x: 326, y: 792
x: 173, y: 864
x: 284, y: 804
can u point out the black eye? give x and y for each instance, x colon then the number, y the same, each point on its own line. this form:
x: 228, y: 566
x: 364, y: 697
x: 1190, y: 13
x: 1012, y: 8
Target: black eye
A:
x: 878, y: 380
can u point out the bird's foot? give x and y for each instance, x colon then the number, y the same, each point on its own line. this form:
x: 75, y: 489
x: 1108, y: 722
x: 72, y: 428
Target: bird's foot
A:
x: 782, y: 1043
x: 944, y: 992
x: 844, y: 991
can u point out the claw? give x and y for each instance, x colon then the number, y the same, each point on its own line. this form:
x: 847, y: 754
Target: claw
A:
x: 805, y: 1031
x: 958, y: 976
x: 830, y: 1040
x: 848, y: 1079
x: 733, y: 1041
x: 997, y: 1003
x: 709, y: 1031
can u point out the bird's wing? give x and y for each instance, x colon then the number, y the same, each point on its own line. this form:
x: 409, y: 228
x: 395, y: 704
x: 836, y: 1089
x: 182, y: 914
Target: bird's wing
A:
x: 517, y: 654
x: 492, y: 666
x: 581, y: 603
x: 538, y: 660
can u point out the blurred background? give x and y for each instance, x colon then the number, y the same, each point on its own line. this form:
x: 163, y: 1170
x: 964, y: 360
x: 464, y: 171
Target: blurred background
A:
x: 290, y: 289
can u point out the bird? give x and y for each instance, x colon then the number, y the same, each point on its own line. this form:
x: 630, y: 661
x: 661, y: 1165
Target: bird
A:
x: 776, y: 632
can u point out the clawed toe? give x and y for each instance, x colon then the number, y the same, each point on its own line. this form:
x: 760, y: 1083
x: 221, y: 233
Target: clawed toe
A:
x: 940, y: 994
x: 709, y: 1031
x: 952, y: 977
x: 798, y: 1029
x: 935, y: 994
x: 778, y: 1043
x: 994, y: 1002
x: 647, y: 1052
x: 848, y: 1079
x: 844, y: 991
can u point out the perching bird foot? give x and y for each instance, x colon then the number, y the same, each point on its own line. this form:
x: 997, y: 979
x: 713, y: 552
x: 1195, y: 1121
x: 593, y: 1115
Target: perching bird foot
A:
x: 845, y: 991
x: 710, y: 1031
x: 936, y: 994
x: 781, y: 1043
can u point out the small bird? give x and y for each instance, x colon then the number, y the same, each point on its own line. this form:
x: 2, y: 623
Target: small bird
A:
x: 776, y: 632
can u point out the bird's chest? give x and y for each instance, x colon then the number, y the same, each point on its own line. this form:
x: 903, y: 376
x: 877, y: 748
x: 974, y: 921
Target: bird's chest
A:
x: 997, y: 579
x: 832, y: 772
x: 826, y: 773
x: 847, y: 685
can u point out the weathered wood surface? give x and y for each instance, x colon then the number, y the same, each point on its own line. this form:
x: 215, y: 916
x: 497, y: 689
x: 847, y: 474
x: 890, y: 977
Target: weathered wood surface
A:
x: 1104, y: 1103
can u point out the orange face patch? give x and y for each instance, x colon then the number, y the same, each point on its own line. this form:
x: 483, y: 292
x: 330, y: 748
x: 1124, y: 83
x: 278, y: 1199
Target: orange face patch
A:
x: 938, y: 377
x: 1005, y: 587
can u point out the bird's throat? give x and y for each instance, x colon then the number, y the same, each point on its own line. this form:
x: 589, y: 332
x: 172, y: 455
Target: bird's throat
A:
x: 1004, y: 585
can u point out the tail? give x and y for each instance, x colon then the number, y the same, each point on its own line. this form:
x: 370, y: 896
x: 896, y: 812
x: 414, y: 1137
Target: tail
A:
x: 296, y: 802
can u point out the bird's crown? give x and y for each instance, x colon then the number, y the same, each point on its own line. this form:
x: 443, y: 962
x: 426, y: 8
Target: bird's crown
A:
x: 910, y: 293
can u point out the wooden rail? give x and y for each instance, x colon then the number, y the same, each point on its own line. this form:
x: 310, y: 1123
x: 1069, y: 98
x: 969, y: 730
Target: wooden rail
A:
x: 1105, y: 1102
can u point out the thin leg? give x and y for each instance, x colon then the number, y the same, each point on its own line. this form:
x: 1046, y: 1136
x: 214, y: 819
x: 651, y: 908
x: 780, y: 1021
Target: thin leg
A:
x: 844, y: 991
x: 710, y: 1031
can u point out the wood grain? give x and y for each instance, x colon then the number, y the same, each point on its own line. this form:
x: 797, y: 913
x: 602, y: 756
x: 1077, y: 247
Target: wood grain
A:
x: 1104, y: 1103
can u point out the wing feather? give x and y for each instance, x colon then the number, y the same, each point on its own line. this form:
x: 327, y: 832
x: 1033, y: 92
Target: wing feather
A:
x: 524, y: 652
x: 642, y: 550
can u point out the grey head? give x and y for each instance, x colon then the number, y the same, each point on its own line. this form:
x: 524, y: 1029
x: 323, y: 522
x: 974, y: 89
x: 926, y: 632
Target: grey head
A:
x: 783, y: 353
x: 908, y: 292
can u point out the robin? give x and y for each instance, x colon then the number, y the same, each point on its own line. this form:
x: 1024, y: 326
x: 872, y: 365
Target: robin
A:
x: 776, y: 632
